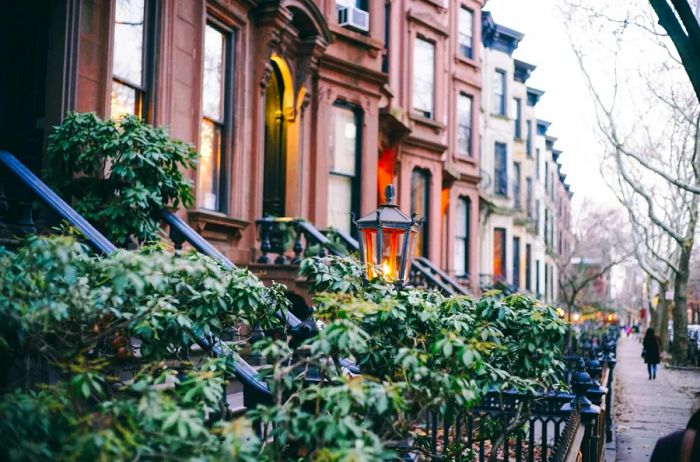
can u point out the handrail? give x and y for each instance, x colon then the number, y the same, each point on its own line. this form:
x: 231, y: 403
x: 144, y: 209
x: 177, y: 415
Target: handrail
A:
x: 203, y: 246
x: 443, y: 275
x: 313, y: 232
x: 58, y: 205
x: 245, y: 373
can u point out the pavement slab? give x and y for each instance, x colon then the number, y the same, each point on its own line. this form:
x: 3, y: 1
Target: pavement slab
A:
x: 645, y: 410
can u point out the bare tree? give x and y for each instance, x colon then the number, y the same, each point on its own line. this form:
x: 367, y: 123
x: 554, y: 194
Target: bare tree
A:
x: 598, y: 245
x: 651, y: 135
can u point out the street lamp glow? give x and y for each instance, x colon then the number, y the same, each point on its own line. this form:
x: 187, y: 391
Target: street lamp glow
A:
x: 387, y: 239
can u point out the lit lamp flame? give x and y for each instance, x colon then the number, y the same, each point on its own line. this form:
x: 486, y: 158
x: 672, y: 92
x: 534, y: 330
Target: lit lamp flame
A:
x: 388, y: 271
x: 577, y: 317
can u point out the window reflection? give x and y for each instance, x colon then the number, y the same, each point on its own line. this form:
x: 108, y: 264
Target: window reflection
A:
x: 342, y: 163
x: 211, y: 143
x: 420, y: 200
x: 127, y: 58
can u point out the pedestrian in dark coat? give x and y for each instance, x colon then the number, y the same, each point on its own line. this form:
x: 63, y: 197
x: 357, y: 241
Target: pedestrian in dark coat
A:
x: 651, y: 352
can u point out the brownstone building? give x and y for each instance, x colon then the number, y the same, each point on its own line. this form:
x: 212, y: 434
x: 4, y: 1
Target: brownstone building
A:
x: 298, y: 108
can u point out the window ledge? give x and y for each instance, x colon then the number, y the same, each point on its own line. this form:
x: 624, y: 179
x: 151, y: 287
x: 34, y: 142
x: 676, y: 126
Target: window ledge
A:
x: 207, y: 220
x: 358, y: 38
x: 468, y: 61
x: 437, y: 126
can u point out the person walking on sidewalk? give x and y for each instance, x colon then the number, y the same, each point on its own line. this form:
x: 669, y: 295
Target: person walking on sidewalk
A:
x: 651, y: 352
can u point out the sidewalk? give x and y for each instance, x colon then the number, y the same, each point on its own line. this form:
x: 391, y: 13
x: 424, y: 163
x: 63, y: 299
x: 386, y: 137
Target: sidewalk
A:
x: 646, y: 410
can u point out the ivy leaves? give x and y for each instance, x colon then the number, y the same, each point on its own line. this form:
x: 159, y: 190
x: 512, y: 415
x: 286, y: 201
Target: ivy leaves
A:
x: 119, y: 174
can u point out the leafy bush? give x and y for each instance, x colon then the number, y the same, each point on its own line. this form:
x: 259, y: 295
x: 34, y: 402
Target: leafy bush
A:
x: 77, y: 386
x: 119, y: 174
x: 67, y: 351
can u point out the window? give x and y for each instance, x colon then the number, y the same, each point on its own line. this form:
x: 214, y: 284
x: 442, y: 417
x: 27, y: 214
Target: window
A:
x: 537, y: 278
x: 516, y: 262
x: 517, y: 115
x: 516, y: 186
x: 343, y: 160
x: 466, y: 32
x: 499, y: 254
x: 499, y: 88
x: 528, y: 196
x: 537, y: 163
x: 463, y: 217
x: 131, y: 57
x: 546, y: 226
x: 387, y: 36
x: 420, y: 205
x: 423, y: 77
x: 500, y: 170
x: 216, y: 115
x: 528, y: 142
x: 528, y: 267
x: 546, y: 282
x: 464, y: 124
x: 537, y: 217
x: 546, y: 177
x: 360, y: 4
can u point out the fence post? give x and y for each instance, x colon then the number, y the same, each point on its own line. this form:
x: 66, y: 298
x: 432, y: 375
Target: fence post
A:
x: 581, y: 382
x: 610, y: 361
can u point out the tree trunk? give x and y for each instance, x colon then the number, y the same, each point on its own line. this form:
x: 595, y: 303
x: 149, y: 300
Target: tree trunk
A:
x: 680, y: 306
x: 662, y: 329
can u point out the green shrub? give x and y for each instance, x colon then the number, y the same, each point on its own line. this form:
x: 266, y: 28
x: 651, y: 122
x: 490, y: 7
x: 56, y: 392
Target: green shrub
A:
x: 119, y: 174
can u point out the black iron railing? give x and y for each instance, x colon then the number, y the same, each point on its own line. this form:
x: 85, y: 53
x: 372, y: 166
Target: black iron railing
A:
x: 19, y: 206
x: 17, y: 211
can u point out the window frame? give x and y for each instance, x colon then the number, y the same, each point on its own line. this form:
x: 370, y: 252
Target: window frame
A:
x: 528, y: 267
x: 227, y: 124
x: 500, y: 181
x: 467, y: 202
x: 516, y: 261
x: 500, y: 98
x: 426, y: 175
x: 144, y: 93
x: 518, y: 118
x: 356, y: 180
x: 460, y: 127
x: 423, y: 112
x: 504, y: 254
x: 468, y: 53
x: 517, y: 187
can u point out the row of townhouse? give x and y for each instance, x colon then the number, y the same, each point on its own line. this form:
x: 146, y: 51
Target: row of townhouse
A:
x: 525, y: 221
x: 309, y: 108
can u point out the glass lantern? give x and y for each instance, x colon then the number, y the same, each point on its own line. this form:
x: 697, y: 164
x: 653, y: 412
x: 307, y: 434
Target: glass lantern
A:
x: 387, y: 240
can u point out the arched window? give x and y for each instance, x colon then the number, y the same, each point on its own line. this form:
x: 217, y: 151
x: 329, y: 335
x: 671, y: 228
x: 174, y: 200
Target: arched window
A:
x: 420, y: 205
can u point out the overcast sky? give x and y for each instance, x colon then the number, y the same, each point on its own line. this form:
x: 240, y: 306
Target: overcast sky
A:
x: 566, y: 102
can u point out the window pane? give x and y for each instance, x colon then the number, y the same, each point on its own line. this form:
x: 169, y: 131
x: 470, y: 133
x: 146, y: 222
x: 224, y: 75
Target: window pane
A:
x: 213, y: 78
x: 423, y: 77
x: 499, y: 82
x: 343, y: 142
x: 466, y: 22
x: 460, y: 257
x: 208, y: 168
x: 128, y: 40
x: 461, y: 217
x: 499, y: 253
x: 124, y: 100
x: 500, y: 170
x: 464, y: 123
x: 420, y: 184
x: 340, y: 203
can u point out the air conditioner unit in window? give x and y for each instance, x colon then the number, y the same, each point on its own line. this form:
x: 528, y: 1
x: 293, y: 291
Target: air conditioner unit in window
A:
x: 353, y: 18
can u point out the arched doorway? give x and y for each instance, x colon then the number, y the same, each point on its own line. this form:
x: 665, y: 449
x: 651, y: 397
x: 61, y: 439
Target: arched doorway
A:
x: 275, y: 168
